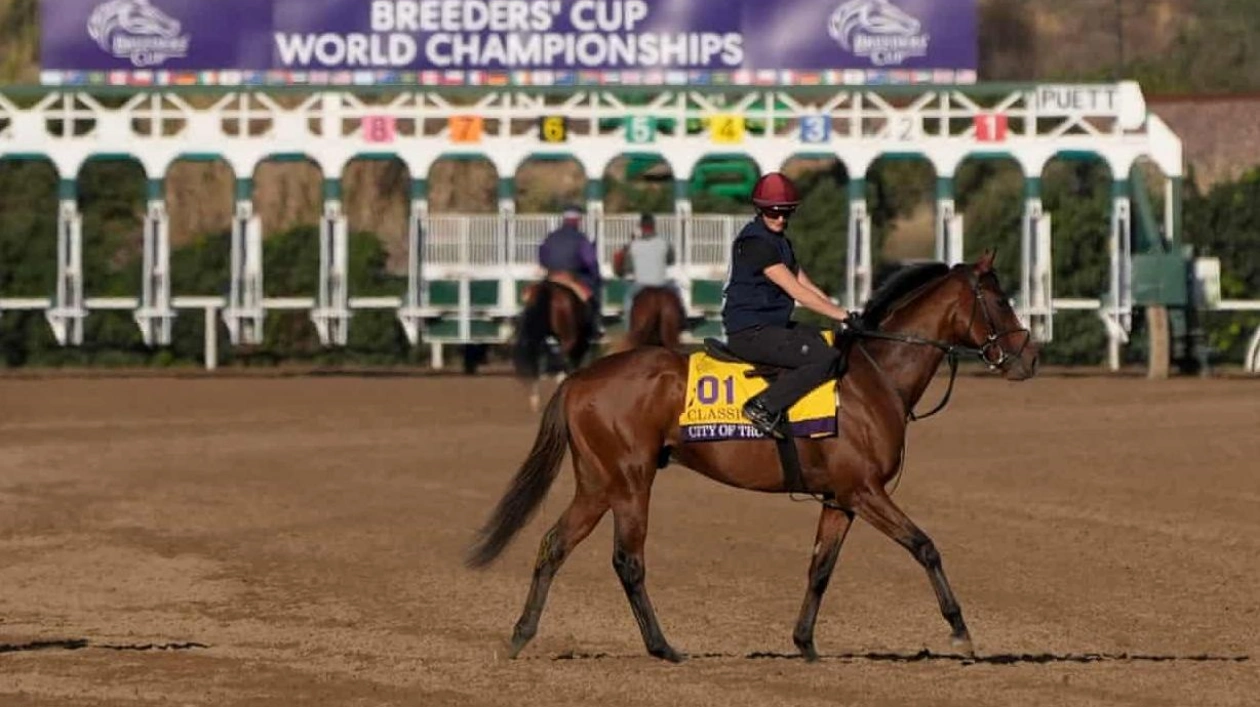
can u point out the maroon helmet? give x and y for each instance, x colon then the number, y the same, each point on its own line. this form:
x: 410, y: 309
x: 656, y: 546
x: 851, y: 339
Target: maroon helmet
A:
x: 775, y: 191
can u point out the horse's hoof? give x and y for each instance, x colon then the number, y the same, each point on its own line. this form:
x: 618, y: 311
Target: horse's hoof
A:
x: 669, y: 654
x: 508, y: 650
x: 808, y: 652
x: 962, y: 644
x: 560, y: 378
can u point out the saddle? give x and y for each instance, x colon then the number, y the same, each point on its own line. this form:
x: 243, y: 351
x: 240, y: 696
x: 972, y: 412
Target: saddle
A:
x: 570, y: 281
x: 719, y: 351
x: 789, y: 459
x: 560, y: 278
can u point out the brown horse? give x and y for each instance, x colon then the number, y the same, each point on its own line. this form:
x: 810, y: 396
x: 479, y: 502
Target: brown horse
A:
x: 619, y: 417
x: 553, y: 308
x: 657, y: 318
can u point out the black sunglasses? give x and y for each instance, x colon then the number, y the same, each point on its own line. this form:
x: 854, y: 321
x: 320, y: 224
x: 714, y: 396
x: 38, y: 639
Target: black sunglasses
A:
x: 777, y: 213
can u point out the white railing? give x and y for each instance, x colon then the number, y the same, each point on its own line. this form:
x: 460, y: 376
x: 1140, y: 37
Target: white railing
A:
x: 474, y: 241
x: 462, y: 248
x: 458, y: 248
x: 1251, y: 360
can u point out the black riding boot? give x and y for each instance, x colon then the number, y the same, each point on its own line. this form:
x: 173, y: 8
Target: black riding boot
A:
x: 772, y: 423
x: 596, y: 309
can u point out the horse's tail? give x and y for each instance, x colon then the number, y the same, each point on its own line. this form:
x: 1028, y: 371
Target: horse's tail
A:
x: 661, y: 322
x: 535, y: 322
x: 648, y: 329
x: 673, y: 319
x: 529, y: 486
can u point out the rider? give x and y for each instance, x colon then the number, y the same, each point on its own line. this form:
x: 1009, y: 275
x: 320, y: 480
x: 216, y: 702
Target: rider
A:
x: 649, y: 258
x: 765, y: 279
x: 567, y: 249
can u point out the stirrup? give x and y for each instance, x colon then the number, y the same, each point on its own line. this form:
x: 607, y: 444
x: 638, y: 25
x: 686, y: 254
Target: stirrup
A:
x: 770, y: 424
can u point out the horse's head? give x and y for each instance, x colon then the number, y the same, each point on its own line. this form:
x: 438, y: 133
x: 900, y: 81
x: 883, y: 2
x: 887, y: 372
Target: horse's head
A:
x: 986, y: 321
x: 141, y: 18
x: 137, y: 18
x: 876, y: 17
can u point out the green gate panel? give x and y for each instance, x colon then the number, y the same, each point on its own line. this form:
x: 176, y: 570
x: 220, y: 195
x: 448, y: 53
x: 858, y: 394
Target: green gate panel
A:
x: 706, y: 294
x: 441, y: 329
x: 484, y: 329
x: 1160, y: 279
x: 484, y: 293
x: 614, y: 291
x: 444, y: 293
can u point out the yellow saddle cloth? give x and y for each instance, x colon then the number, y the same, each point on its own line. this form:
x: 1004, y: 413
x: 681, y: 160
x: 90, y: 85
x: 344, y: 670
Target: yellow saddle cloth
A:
x: 717, y: 391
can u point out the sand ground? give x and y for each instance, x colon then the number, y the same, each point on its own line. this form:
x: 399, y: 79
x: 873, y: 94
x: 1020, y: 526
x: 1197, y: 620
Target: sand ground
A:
x: 253, y: 541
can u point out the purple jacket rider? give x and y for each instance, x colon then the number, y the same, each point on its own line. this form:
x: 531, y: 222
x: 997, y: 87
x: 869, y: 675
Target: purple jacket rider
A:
x: 568, y: 249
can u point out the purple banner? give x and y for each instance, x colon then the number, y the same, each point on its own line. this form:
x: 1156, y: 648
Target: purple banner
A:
x: 720, y: 431
x: 592, y: 37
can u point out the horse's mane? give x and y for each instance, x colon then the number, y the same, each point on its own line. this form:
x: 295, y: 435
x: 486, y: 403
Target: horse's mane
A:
x: 897, y: 287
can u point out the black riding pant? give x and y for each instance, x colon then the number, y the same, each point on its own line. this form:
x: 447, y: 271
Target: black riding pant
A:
x: 799, y: 347
x: 595, y: 309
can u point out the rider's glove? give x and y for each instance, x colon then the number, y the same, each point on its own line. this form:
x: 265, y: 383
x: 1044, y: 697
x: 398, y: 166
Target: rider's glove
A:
x: 854, y: 322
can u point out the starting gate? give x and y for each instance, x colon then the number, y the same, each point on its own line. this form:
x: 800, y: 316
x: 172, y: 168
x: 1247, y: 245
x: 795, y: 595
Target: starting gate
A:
x: 465, y: 271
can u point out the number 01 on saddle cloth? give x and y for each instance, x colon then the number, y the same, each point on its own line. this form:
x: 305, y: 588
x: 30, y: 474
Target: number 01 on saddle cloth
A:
x: 717, y: 391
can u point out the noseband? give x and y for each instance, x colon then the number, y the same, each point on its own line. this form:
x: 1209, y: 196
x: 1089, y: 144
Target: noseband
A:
x: 984, y: 352
x: 993, y: 339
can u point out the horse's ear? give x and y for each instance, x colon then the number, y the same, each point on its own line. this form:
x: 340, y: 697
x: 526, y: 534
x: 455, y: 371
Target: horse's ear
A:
x: 985, y: 263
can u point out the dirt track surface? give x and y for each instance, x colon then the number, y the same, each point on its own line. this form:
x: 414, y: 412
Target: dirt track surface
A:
x: 299, y: 542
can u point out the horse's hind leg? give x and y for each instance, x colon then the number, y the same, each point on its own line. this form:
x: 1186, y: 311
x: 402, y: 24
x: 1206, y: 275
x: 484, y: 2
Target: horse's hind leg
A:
x: 574, y: 525
x: 875, y: 507
x: 535, y: 395
x: 833, y: 526
x: 631, y: 518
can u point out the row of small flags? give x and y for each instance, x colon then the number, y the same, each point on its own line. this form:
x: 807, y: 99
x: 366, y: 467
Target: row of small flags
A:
x: 847, y: 77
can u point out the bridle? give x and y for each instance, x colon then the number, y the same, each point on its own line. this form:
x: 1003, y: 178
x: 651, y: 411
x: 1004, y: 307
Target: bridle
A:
x: 992, y: 343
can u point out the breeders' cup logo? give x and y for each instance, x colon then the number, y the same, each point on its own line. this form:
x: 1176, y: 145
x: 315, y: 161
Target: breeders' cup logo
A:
x: 878, y: 30
x: 137, y: 31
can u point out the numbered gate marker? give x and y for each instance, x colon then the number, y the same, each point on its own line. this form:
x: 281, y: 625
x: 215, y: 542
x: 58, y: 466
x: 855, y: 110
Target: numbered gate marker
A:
x: 465, y: 128
x: 990, y: 127
x: 727, y: 129
x: 378, y: 128
x: 553, y: 128
x: 640, y: 129
x: 815, y: 128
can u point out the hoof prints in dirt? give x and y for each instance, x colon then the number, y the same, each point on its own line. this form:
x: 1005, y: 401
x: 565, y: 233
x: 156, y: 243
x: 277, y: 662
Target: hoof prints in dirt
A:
x: 76, y: 644
x: 925, y: 655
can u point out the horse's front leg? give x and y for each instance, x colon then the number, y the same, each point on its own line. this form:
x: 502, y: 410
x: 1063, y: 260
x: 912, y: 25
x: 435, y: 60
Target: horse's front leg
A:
x: 574, y: 350
x: 875, y: 507
x: 567, y: 365
x: 833, y: 526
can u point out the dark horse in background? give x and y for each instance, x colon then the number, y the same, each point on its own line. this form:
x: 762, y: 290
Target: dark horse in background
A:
x: 619, y: 419
x: 657, y: 318
x: 554, y: 310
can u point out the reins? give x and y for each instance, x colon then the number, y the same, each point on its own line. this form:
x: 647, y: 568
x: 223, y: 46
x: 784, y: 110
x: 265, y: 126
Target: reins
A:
x: 953, y: 352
